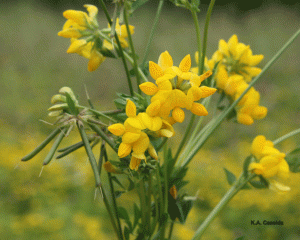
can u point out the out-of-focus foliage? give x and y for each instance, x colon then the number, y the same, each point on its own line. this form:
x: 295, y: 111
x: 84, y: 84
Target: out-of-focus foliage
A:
x: 59, y: 204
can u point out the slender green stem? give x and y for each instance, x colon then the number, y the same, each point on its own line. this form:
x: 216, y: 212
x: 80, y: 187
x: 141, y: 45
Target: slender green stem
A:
x: 119, y: 48
x: 142, y: 195
x: 112, y: 192
x: 157, y: 15
x: 42, y: 145
x: 89, y: 152
x: 162, y: 144
x: 110, y: 212
x: 205, y: 33
x: 127, y: 56
x: 286, y: 136
x: 186, y: 134
x: 112, y: 112
x: 103, y: 136
x: 223, y: 115
x: 171, y: 230
x: 239, y: 183
x: 88, y: 97
x: 149, y: 193
x: 196, y: 23
x: 135, y: 65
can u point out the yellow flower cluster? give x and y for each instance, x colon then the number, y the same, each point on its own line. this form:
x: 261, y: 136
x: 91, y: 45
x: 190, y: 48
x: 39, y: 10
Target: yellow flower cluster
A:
x: 83, y: 29
x: 173, y: 94
x: 271, y: 161
x: 134, y: 139
x: 236, y: 68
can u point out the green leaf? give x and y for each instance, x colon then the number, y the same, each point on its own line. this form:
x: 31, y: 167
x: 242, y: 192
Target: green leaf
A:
x: 240, y: 238
x: 106, y: 53
x: 115, y: 179
x: 137, y: 4
x: 184, y: 207
x: 295, y: 151
x: 294, y: 163
x: 131, y: 184
x: 246, y: 187
x: 262, y: 183
x: 71, y: 104
x: 247, y: 161
x: 124, y: 215
x: 230, y: 176
x: 126, y: 233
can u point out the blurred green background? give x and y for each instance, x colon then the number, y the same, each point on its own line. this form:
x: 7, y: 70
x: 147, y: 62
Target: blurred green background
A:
x: 60, y: 204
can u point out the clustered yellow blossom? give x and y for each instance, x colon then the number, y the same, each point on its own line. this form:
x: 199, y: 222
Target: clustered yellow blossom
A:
x: 170, y: 94
x: 236, y: 68
x: 134, y: 139
x: 83, y: 29
x: 271, y: 162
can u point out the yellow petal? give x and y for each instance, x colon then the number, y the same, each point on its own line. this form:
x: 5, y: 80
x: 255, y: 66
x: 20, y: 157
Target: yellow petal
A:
x: 205, y: 75
x: 148, y: 88
x: 198, y: 109
x: 135, y: 122
x: 252, y: 71
x: 123, y: 31
x: 156, y: 124
x: 146, y: 120
x: 245, y: 119
x: 165, y: 60
x: 77, y: 16
x: 185, y: 63
x: 274, y: 185
x: 117, y: 129
x: 284, y: 170
x: 93, y: 10
x: 223, y: 47
x: 124, y: 150
x: 95, y: 61
x: 135, y: 163
x: 155, y: 70
x: 178, y: 114
x: 206, y: 91
x: 196, y: 56
x: 141, y: 145
x: 255, y: 59
x: 259, y: 112
x: 152, y: 152
x: 258, y: 145
x: 130, y: 109
x: 232, y: 44
x: 130, y: 137
x: 153, y: 109
x: 70, y: 33
x: 76, y: 45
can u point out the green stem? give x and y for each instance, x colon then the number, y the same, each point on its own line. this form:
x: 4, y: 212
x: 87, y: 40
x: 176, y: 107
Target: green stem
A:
x: 162, y: 144
x: 97, y: 113
x: 187, y: 131
x: 119, y: 48
x: 112, y: 191
x: 196, y: 23
x: 288, y: 135
x: 142, y: 195
x: 135, y: 65
x: 103, y: 136
x: 157, y: 15
x: 171, y: 230
x: 89, y: 152
x: 110, y: 212
x: 239, y: 183
x: 205, y: 34
x: 223, y: 115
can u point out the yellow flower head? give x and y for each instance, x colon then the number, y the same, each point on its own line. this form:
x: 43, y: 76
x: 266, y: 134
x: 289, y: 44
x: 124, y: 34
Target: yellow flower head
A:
x: 237, y: 58
x: 270, y: 162
x: 176, y: 88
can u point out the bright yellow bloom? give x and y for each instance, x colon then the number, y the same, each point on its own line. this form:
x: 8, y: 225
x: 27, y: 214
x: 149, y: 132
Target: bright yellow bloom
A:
x: 170, y: 95
x: 237, y: 58
x: 270, y: 161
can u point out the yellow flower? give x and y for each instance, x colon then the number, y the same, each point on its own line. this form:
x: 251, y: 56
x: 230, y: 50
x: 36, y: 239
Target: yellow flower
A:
x: 170, y: 95
x: 270, y: 162
x: 237, y: 58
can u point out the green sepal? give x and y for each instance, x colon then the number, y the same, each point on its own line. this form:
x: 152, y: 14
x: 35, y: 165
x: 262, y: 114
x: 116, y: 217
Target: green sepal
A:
x: 262, y: 183
x: 107, y: 53
x: 118, y: 193
x: 231, y: 178
x: 294, y: 163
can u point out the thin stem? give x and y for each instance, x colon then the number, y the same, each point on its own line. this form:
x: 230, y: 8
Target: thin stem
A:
x: 157, y: 15
x: 103, y: 136
x: 196, y: 23
x: 135, y: 65
x: 286, y: 136
x: 112, y: 191
x: 205, y: 33
x: 239, y: 183
x: 119, y: 48
x: 162, y: 144
x: 97, y: 113
x: 110, y: 212
x: 187, y: 131
x: 89, y: 152
x: 171, y: 230
x: 223, y: 115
